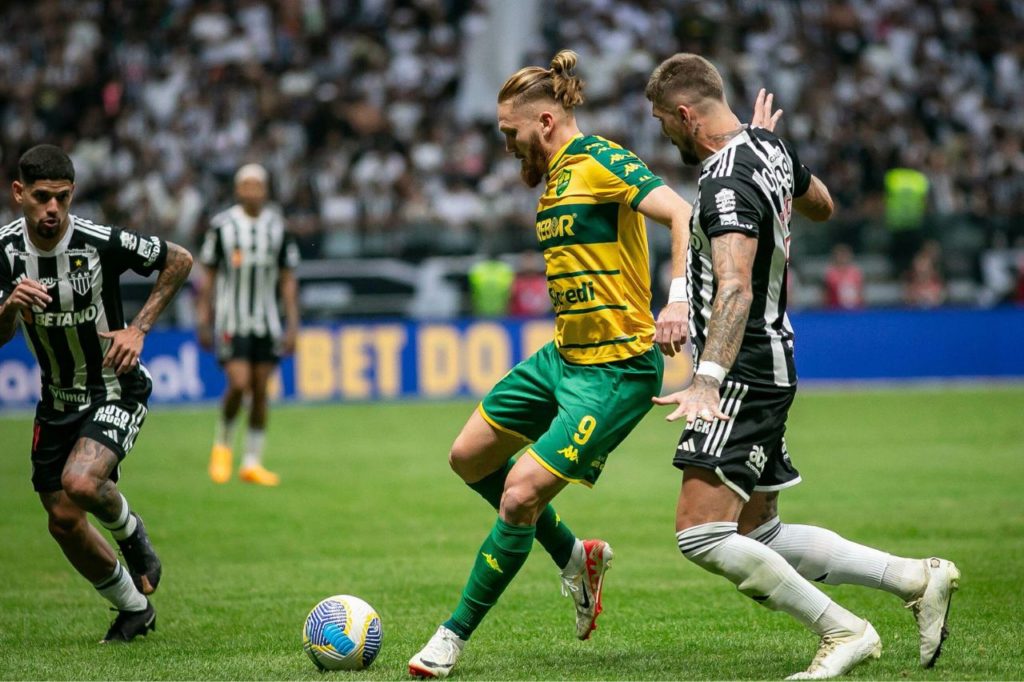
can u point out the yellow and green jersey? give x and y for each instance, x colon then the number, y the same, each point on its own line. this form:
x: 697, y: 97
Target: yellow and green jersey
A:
x: 595, y: 247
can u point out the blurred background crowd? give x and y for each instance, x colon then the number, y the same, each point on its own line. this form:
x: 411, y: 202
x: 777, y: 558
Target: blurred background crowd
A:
x: 378, y: 129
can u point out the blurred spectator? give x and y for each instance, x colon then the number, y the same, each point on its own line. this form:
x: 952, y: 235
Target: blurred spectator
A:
x: 844, y: 281
x: 924, y: 285
x: 490, y: 286
x: 906, y: 200
x: 530, y: 287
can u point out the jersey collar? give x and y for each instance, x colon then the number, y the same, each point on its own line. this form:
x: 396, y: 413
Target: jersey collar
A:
x: 742, y: 138
x: 60, y: 246
x: 557, y: 158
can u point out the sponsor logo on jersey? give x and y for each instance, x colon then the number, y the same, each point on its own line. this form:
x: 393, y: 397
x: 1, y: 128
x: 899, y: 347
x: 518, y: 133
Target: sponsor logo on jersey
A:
x: 149, y: 249
x: 129, y: 241
x: 556, y: 226
x: 112, y: 414
x: 63, y: 318
x: 563, y: 181
x: 570, y: 453
x: 69, y: 395
x: 585, y: 293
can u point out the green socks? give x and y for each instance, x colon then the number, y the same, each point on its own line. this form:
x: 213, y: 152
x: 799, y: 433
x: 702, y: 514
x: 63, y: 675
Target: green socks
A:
x: 553, y: 535
x: 500, y: 557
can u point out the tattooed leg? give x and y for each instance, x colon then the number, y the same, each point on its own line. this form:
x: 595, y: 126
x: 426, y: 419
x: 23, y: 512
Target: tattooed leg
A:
x: 86, y: 479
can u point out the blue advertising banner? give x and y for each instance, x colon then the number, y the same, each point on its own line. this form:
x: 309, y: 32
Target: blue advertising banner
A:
x: 407, y: 359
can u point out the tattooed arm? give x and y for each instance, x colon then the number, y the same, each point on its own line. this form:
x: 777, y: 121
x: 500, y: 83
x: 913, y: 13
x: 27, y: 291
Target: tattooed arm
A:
x: 732, y: 256
x: 126, y: 344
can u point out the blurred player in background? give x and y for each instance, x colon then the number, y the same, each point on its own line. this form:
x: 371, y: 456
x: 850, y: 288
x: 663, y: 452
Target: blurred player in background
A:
x: 249, y: 260
x: 579, y: 396
x: 733, y: 449
x: 59, y: 277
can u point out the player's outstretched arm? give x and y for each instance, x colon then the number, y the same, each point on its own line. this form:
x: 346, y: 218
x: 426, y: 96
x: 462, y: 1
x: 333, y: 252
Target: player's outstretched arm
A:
x: 668, y: 208
x: 126, y: 344
x: 290, y: 298
x: 732, y: 256
x: 26, y: 294
x: 816, y: 202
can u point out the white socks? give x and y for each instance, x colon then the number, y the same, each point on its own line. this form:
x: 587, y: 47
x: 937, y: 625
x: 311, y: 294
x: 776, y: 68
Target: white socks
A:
x: 764, y: 576
x: 120, y: 591
x: 224, y: 436
x: 125, y: 523
x: 819, y: 554
x: 254, y: 448
x: 577, y: 560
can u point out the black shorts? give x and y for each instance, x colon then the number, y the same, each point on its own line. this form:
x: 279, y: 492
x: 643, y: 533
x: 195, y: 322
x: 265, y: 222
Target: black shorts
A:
x: 747, y: 452
x: 249, y: 347
x: 115, y: 424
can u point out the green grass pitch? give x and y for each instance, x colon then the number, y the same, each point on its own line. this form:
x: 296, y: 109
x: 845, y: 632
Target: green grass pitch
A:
x: 369, y: 507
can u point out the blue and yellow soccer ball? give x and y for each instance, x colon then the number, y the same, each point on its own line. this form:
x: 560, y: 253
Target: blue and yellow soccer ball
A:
x: 342, y: 633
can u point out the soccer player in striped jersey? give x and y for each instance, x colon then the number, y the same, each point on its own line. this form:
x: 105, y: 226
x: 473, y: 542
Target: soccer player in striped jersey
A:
x: 249, y: 259
x: 733, y: 448
x: 573, y: 401
x: 59, y: 278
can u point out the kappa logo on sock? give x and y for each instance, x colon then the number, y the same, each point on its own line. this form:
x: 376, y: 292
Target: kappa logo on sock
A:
x: 492, y: 562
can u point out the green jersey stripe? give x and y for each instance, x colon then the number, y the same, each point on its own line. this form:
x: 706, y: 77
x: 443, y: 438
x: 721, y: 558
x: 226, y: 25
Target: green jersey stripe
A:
x: 583, y: 272
x: 599, y: 343
x: 580, y: 311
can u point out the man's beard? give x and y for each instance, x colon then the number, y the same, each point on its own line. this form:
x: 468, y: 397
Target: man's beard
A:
x: 534, y: 166
x: 688, y: 154
x: 44, y: 231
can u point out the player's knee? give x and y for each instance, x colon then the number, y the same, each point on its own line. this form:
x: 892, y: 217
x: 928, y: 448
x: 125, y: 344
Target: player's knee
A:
x: 64, y: 525
x: 520, y: 505
x: 699, y: 542
x: 462, y: 460
x: 83, y: 489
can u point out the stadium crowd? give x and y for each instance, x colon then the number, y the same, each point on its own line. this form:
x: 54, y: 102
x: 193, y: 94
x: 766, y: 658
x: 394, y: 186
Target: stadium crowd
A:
x: 350, y: 104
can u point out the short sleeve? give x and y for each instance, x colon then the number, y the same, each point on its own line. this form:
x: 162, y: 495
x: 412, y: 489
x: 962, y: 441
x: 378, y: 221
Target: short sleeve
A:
x: 730, y: 205
x: 288, y: 257
x: 801, y: 175
x: 210, y: 253
x: 130, y: 250
x: 627, y: 180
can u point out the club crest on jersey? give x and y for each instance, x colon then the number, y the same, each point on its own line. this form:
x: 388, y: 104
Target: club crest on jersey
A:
x: 79, y: 274
x: 563, y: 181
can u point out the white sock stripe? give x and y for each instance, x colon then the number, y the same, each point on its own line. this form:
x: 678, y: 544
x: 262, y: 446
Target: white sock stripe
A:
x: 767, y: 531
x: 699, y: 539
x: 112, y: 580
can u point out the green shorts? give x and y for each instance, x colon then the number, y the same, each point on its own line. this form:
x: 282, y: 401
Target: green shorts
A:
x: 574, y: 415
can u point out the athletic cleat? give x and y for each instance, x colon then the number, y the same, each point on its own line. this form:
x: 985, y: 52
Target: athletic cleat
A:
x: 585, y: 587
x: 931, y: 609
x: 838, y: 655
x: 220, y: 464
x: 258, y: 475
x: 130, y: 624
x: 141, y: 559
x: 438, y: 657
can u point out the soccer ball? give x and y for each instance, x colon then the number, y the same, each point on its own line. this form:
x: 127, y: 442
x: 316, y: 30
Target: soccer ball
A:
x: 342, y: 633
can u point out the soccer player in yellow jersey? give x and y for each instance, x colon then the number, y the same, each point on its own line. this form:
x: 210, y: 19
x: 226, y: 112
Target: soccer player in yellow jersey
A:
x: 579, y: 396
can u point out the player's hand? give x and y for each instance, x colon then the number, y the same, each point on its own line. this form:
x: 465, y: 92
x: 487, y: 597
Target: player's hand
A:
x: 28, y: 293
x: 700, y: 400
x: 204, y: 332
x: 763, y: 116
x: 288, y: 342
x: 671, y: 327
x: 125, y: 349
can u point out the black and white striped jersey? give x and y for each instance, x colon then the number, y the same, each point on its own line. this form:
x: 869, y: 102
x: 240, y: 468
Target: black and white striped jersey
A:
x: 82, y: 276
x: 748, y: 187
x: 248, y: 254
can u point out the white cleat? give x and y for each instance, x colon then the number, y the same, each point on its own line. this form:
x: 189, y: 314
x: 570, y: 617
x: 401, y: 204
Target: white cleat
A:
x: 438, y: 657
x: 838, y: 655
x: 931, y: 609
x: 585, y: 586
